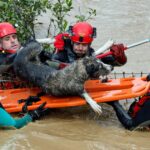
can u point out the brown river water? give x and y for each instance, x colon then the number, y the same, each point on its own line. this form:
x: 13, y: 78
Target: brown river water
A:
x: 79, y: 128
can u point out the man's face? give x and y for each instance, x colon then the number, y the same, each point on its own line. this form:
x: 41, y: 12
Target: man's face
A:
x: 10, y: 42
x: 80, y: 48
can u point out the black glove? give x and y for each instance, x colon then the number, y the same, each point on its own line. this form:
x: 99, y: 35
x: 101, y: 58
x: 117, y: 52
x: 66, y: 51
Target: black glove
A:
x: 39, y: 112
x: 148, y: 77
x: 27, y: 102
x: 1, y: 106
x: 44, y: 55
x: 118, y: 53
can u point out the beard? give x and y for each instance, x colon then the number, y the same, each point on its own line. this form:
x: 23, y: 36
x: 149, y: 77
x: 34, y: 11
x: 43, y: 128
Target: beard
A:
x: 80, y: 55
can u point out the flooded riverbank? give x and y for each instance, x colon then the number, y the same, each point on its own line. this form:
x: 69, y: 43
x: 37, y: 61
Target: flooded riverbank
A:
x: 78, y: 128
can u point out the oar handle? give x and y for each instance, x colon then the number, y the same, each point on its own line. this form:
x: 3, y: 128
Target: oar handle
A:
x: 138, y: 43
x: 125, y: 48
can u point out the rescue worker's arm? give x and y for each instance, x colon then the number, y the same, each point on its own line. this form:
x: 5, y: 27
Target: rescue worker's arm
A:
x: 118, y: 57
x: 122, y: 115
x: 6, y: 120
x: 62, y: 42
x: 58, y: 58
x: 44, y: 56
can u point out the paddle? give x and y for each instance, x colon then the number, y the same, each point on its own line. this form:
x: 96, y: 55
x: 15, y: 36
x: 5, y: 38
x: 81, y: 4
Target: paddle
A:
x: 105, y: 47
x: 127, y: 47
x: 102, y: 49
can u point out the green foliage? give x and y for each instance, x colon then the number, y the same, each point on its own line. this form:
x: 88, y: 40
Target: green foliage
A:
x: 23, y: 13
x: 90, y: 14
x: 60, y: 10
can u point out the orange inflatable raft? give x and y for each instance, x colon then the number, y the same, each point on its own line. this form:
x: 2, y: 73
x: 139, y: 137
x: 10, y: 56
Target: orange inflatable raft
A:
x: 114, y: 89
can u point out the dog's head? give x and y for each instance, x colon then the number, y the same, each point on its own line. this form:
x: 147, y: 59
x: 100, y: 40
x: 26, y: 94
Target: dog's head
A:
x: 96, y: 68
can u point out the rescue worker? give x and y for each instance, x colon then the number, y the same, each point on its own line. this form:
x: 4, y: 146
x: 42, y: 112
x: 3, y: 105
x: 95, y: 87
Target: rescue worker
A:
x: 7, y: 121
x: 9, y: 43
x: 77, y: 44
x: 138, y: 114
x: 9, y: 46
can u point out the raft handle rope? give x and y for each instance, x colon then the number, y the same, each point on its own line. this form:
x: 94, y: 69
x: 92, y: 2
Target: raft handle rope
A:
x: 28, y: 102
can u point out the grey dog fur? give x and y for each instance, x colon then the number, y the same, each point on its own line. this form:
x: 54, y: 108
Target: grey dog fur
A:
x: 67, y: 81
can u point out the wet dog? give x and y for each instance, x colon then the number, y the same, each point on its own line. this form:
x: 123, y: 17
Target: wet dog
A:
x: 68, y: 81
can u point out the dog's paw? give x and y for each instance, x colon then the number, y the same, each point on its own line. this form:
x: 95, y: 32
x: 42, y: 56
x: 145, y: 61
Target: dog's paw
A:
x: 97, y: 108
x: 103, y: 79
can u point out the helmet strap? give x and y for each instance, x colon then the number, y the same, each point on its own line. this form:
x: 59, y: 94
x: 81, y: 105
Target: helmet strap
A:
x: 70, y: 30
x: 94, y: 33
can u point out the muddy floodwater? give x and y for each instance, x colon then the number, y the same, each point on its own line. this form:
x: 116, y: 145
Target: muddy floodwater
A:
x: 79, y: 128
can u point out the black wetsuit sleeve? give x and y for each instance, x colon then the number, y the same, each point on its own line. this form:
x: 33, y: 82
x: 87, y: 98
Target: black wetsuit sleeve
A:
x: 10, y: 58
x: 44, y: 56
x: 111, y: 61
x: 141, y: 119
x: 60, y: 56
x: 7, y: 63
x: 123, y: 116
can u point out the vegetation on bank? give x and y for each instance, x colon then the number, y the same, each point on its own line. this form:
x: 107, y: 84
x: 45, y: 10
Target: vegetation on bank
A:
x: 23, y: 14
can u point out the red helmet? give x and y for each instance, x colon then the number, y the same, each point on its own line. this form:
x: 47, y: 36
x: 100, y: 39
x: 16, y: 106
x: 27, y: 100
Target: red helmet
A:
x: 82, y: 32
x: 6, y: 28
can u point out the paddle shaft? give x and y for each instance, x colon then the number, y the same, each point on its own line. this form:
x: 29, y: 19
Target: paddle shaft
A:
x: 125, y: 48
x: 102, y: 49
